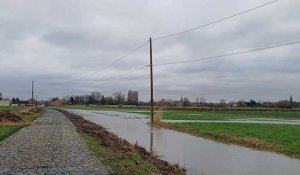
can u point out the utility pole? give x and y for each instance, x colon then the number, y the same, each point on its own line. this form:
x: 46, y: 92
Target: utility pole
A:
x: 151, y: 80
x: 32, y: 94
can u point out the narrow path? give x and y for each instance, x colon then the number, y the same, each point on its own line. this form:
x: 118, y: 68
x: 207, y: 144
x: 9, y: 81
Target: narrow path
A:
x: 50, y: 146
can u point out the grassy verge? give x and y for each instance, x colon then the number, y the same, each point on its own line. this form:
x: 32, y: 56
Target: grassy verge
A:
x: 119, y: 154
x: 268, y: 137
x: 6, y: 131
x: 11, y: 128
x: 31, y: 117
x: 120, y: 163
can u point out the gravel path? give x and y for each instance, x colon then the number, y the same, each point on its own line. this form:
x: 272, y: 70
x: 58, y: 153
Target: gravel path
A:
x: 50, y: 146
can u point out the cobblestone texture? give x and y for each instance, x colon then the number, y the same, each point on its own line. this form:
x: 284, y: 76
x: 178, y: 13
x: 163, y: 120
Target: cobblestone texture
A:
x: 50, y: 146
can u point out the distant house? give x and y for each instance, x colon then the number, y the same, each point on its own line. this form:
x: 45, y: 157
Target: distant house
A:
x: 5, y: 103
x: 18, y: 102
x: 32, y: 101
x: 59, y: 102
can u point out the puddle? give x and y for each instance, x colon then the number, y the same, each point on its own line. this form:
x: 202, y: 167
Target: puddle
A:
x: 197, y: 155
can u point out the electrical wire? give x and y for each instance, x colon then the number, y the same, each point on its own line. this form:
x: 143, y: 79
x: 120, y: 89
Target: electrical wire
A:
x: 228, y: 54
x: 123, y: 74
x: 114, y: 62
x: 214, y: 22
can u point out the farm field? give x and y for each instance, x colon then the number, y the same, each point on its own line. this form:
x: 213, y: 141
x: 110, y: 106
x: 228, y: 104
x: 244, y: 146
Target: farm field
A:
x: 12, y: 108
x: 192, y: 115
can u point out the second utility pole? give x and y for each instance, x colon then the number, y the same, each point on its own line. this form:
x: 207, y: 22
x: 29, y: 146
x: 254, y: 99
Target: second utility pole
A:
x: 151, y: 80
x: 32, y: 94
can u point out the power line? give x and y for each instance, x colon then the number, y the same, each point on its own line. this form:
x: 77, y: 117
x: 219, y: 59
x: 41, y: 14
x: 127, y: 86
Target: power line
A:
x: 123, y: 74
x: 214, y: 22
x: 228, y: 54
x: 114, y: 62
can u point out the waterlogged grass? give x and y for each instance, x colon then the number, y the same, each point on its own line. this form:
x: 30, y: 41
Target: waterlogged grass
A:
x: 280, y: 138
x: 186, y: 115
x: 192, y: 115
x: 120, y: 163
x: 6, y: 131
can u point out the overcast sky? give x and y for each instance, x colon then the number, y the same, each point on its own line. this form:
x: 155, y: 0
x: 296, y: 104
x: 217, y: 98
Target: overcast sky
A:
x: 56, y: 42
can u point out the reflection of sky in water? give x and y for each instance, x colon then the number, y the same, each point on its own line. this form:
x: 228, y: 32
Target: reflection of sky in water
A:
x: 197, y: 155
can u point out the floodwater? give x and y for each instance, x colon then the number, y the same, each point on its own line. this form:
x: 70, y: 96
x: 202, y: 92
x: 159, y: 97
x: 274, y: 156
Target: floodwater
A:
x: 246, y: 120
x: 197, y: 155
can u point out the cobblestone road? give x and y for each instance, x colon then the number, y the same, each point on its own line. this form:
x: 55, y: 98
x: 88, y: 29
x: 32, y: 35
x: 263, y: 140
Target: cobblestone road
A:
x: 50, y: 146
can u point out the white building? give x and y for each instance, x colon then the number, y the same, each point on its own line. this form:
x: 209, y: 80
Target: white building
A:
x: 5, y: 103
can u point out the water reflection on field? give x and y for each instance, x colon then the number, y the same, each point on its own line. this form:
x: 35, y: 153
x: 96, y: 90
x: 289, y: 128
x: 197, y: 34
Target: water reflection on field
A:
x: 197, y: 155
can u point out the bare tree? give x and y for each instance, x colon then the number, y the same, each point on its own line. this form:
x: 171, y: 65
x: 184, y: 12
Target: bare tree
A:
x: 197, y: 101
x: 119, y: 97
x: 132, y: 97
x: 186, y: 102
x: 96, y: 97
x: 202, y: 100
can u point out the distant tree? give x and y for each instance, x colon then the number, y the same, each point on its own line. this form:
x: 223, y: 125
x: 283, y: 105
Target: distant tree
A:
x: 119, y: 98
x: 197, y: 101
x: 109, y: 101
x: 252, y: 103
x: 291, y: 101
x: 96, y: 97
x: 186, y: 102
x: 202, y: 100
x: 66, y: 98
x: 283, y: 104
x: 132, y: 97
x: 103, y: 101
x: 1, y: 97
x: 72, y: 100
x: 161, y: 102
x: 241, y: 103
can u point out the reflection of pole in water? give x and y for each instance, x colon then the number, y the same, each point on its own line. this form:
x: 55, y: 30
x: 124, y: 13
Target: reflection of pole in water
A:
x: 151, y: 140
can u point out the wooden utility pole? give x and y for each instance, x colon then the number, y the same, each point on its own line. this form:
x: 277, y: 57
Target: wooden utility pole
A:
x: 151, y: 80
x: 32, y: 94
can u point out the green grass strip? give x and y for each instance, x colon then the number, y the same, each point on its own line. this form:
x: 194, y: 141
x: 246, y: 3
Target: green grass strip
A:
x: 120, y: 163
x: 280, y: 138
x: 6, y: 131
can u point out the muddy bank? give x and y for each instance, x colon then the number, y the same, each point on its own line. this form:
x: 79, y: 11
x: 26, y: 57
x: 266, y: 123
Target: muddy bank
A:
x: 21, y: 118
x: 121, y: 145
x: 9, y: 116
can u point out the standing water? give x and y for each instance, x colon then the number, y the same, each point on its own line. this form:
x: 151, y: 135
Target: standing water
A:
x: 197, y: 155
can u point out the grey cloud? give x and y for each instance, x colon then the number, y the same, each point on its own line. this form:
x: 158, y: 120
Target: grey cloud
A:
x: 54, y: 42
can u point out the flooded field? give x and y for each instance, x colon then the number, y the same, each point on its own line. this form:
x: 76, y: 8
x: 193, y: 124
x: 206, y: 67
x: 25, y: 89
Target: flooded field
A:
x: 197, y: 155
x: 246, y: 120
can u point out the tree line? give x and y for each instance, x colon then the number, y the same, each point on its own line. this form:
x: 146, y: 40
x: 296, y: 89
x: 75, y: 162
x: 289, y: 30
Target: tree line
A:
x: 97, y: 98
